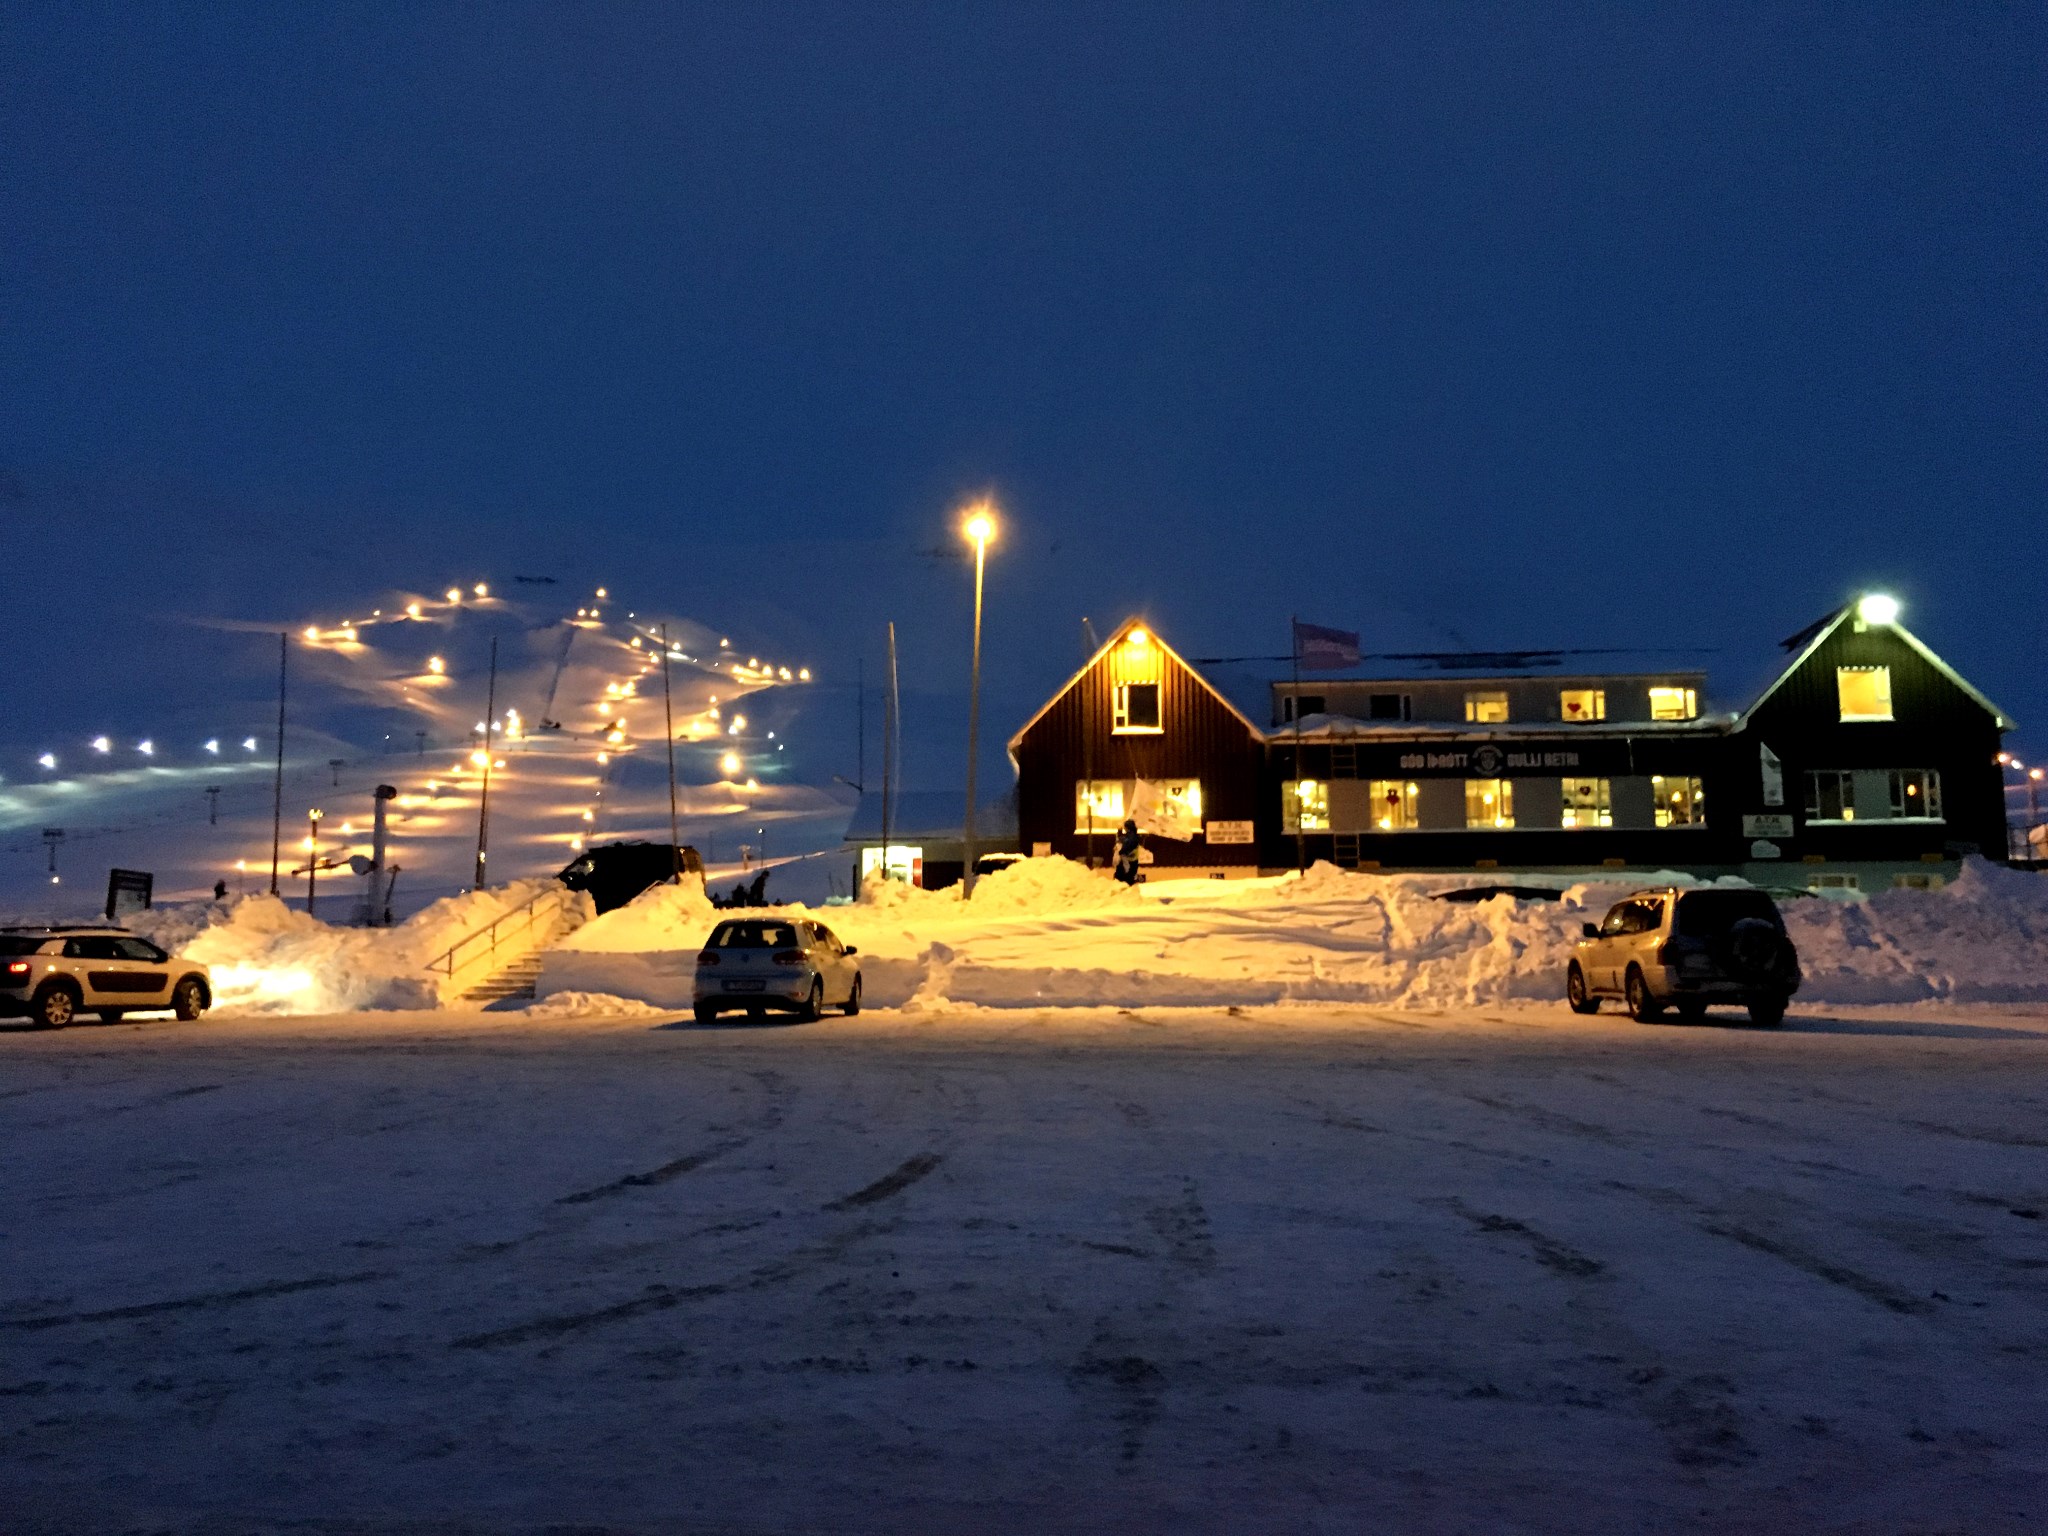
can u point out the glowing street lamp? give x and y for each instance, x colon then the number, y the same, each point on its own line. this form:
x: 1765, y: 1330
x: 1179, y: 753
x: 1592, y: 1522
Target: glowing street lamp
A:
x: 979, y: 526
x: 1878, y: 608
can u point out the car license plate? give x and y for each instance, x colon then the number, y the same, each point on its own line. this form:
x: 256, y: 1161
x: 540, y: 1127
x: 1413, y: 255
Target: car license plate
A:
x: 745, y: 986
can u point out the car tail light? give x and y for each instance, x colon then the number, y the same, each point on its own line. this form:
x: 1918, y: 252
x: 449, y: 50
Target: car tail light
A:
x: 707, y: 958
x: 789, y: 957
x: 18, y: 967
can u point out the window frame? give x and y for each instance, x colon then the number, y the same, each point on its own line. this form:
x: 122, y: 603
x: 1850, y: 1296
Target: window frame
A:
x: 1598, y: 696
x: 1292, y: 817
x: 1602, y: 808
x: 1686, y: 699
x: 1478, y: 700
x: 1504, y: 806
x: 1696, y: 799
x: 1860, y: 717
x: 1408, y: 795
x: 1120, y: 708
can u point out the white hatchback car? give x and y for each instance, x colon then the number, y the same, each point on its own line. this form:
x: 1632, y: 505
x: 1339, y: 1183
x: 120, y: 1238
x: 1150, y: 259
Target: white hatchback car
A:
x: 53, y: 974
x: 792, y: 965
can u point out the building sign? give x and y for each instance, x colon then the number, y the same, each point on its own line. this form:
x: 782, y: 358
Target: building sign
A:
x: 128, y: 890
x: 1489, y: 762
x: 1776, y: 824
x: 1228, y: 831
x: 1774, y: 776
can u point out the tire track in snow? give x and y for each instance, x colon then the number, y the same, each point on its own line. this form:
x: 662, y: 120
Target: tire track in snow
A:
x: 198, y: 1303
x: 892, y: 1183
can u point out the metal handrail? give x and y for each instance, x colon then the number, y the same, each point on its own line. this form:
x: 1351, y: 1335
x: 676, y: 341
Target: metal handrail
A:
x: 526, y: 909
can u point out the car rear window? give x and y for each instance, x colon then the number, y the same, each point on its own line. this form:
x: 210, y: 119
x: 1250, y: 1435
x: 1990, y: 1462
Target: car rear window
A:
x: 755, y: 935
x: 1709, y: 914
x: 19, y: 944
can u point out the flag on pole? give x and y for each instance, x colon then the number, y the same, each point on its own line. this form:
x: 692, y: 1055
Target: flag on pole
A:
x: 1321, y: 649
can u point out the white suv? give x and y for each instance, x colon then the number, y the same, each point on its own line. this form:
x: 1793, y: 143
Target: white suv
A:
x: 1684, y: 948
x: 51, y: 975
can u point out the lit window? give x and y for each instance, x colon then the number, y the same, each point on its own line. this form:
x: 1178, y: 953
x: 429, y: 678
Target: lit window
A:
x: 1305, y: 806
x: 1486, y: 708
x: 1489, y: 803
x: 1830, y: 795
x: 1100, y: 803
x: 1674, y: 703
x: 1170, y: 807
x: 1916, y: 793
x: 1135, y: 711
x: 1865, y: 692
x: 1680, y: 802
x: 1582, y: 704
x: 1393, y: 804
x: 1588, y: 803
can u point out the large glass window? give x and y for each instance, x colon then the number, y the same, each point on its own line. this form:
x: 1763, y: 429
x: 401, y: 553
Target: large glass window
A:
x: 1135, y: 710
x: 1172, y: 807
x: 1588, y: 803
x: 1830, y: 795
x: 1865, y: 692
x: 1489, y: 803
x: 1305, y: 806
x: 1577, y: 704
x: 1680, y: 802
x: 1101, y: 801
x: 1486, y: 708
x: 1394, y: 804
x: 1674, y: 703
x: 1916, y: 793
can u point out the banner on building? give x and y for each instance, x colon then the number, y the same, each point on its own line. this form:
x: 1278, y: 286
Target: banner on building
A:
x: 1165, y: 810
x: 1320, y: 649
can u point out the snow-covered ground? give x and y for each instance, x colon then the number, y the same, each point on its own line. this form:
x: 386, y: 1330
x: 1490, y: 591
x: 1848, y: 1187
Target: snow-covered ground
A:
x: 1318, y: 1267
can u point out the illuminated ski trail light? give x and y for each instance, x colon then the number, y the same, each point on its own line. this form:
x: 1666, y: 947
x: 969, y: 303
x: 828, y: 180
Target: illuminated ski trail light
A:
x: 753, y: 784
x: 455, y: 594
x: 48, y: 759
x: 312, y: 633
x: 803, y: 674
x: 437, y: 666
x: 412, y: 610
x: 248, y: 743
x: 603, y: 593
x: 729, y: 764
x: 482, y: 590
x: 213, y: 745
x: 101, y: 744
x: 146, y: 747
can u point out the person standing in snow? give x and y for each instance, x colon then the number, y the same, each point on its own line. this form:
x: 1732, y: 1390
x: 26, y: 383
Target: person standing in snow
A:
x: 1127, y: 854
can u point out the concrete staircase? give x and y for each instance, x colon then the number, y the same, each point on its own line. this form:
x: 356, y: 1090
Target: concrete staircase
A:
x: 510, y: 988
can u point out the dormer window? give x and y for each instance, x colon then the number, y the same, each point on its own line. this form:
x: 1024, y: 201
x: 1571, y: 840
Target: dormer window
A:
x: 1135, y: 710
x: 1674, y: 703
x: 1576, y: 705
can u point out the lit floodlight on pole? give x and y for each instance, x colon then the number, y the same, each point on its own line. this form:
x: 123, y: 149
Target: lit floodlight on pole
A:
x: 978, y: 526
x: 1877, y: 608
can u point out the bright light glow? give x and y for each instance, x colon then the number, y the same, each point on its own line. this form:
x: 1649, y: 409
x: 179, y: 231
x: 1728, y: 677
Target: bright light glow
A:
x: 603, y: 707
x: 349, y: 632
x: 753, y: 784
x: 1877, y: 608
x: 783, y: 673
x: 241, y: 864
x: 601, y: 592
x: 603, y: 758
x: 479, y: 758
x: 256, y: 983
x: 455, y: 594
x: 433, y: 786
x: 1137, y: 637
x: 2033, y: 773
x: 725, y: 645
x: 636, y: 642
x: 482, y: 590
x: 48, y: 759
x: 315, y: 814
x: 803, y: 674
x: 436, y: 666
x: 312, y: 633
x: 101, y: 744
x: 248, y: 743
x: 739, y: 722
x: 729, y: 764
x: 347, y: 830
x: 213, y: 746
x: 499, y: 763
x: 980, y: 523
x: 412, y: 610
x: 146, y: 748
x: 590, y: 815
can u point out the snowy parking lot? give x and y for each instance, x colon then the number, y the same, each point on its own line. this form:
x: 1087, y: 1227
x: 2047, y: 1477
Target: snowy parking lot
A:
x: 1309, y: 1267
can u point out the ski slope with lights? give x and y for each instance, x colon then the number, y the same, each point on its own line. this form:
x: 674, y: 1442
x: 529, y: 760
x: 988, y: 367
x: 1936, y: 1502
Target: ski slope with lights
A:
x: 570, y: 739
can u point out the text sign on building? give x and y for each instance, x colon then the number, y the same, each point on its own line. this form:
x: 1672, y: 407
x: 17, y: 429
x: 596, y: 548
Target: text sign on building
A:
x: 1777, y: 825
x: 1228, y: 831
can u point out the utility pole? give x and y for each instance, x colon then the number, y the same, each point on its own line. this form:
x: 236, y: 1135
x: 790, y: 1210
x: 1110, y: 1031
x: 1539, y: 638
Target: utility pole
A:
x: 277, y: 790
x: 1088, y: 736
x: 483, y: 805
x: 1294, y: 708
x: 213, y: 805
x: 860, y: 689
x: 312, y: 855
x: 979, y: 528
x: 668, y: 718
x: 888, y: 747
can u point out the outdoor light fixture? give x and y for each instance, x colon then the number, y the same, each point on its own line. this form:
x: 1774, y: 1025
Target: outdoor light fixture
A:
x: 601, y: 592
x: 980, y: 525
x: 1137, y: 637
x: 436, y: 665
x: 146, y: 748
x: 48, y: 759
x: 482, y: 590
x: 213, y: 746
x: 455, y: 594
x: 101, y: 744
x: 412, y: 610
x: 312, y: 633
x: 248, y: 743
x: 1877, y: 608
x: 803, y: 675
x: 729, y: 764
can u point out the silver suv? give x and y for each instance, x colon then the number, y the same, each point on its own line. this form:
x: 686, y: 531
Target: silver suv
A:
x: 53, y: 974
x: 1684, y: 948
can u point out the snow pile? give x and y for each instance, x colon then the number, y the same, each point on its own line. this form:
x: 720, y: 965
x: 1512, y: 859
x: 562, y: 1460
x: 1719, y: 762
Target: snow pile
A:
x: 592, y: 1005
x: 1049, y: 933
x: 266, y: 958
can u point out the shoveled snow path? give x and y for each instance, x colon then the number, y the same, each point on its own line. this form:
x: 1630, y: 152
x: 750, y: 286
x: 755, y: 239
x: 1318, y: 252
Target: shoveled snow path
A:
x: 1307, y: 1269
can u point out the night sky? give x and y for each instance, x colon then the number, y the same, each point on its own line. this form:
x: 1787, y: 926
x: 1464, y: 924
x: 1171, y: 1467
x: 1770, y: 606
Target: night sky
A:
x: 1455, y: 325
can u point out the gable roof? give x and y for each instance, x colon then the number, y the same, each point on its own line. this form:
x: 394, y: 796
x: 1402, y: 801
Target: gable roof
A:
x: 1103, y: 650
x: 1817, y: 634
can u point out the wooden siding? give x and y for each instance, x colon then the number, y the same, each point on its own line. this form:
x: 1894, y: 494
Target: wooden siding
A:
x: 1202, y: 738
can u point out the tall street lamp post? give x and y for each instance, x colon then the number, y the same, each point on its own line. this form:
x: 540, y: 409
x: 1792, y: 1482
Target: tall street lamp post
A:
x: 979, y: 527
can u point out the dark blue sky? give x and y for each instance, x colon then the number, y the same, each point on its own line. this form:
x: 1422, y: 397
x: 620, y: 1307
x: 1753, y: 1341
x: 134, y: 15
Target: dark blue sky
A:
x: 1448, y: 324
